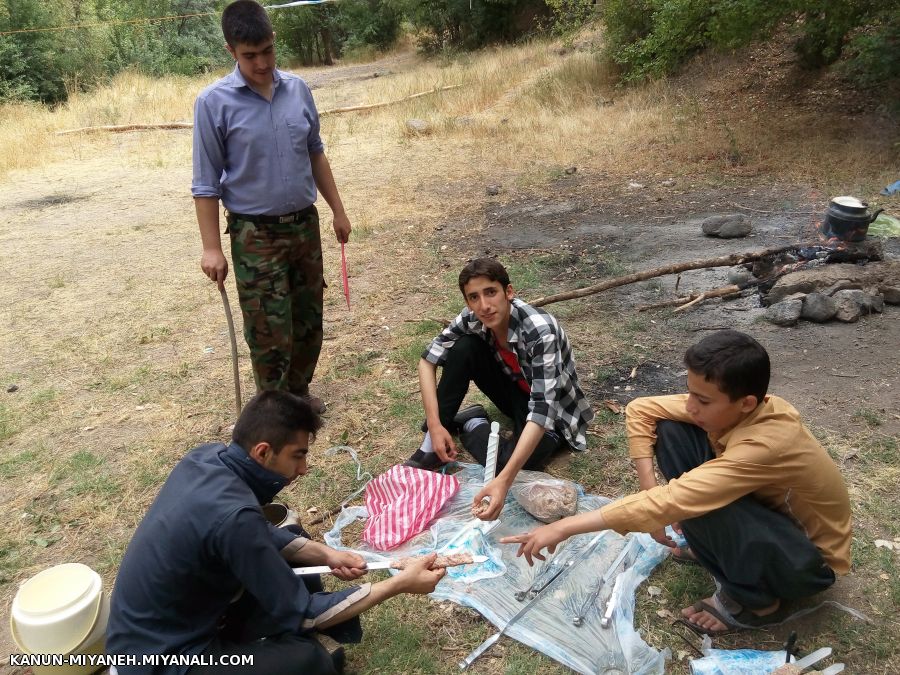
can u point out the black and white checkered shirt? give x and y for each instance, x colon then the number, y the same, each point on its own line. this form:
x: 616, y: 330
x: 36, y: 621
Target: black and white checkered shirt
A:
x: 545, y: 357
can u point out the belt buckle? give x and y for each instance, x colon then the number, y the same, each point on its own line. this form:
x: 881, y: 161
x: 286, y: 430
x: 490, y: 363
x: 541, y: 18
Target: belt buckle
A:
x: 282, y: 220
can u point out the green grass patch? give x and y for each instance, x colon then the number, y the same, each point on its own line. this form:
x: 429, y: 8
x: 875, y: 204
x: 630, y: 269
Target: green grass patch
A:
x: 84, y: 473
x: 870, y: 417
x: 527, y: 275
x: 8, y: 423
x: 405, y: 643
x: 22, y: 463
x: 43, y: 396
x: 10, y: 558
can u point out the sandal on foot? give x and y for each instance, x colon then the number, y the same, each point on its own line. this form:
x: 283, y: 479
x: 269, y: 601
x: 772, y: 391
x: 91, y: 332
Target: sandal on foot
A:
x: 744, y: 620
x: 726, y: 619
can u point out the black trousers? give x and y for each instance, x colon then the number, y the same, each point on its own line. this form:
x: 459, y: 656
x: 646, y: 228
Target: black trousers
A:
x: 471, y: 360
x: 248, y: 630
x: 757, y: 555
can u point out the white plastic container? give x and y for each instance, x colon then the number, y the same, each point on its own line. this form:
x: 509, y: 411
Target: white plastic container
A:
x: 62, y: 610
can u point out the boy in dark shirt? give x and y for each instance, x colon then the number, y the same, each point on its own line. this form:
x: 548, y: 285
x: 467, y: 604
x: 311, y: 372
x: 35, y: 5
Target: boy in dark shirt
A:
x: 204, y: 541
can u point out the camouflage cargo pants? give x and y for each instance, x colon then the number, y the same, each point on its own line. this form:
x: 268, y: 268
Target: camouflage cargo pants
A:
x: 278, y: 271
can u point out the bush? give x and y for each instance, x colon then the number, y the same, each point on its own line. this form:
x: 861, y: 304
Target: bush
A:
x: 650, y: 38
x: 43, y: 66
x: 318, y: 34
x: 461, y: 24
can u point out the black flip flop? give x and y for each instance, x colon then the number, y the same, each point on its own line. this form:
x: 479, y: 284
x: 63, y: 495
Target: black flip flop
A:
x: 703, y: 606
x: 745, y: 620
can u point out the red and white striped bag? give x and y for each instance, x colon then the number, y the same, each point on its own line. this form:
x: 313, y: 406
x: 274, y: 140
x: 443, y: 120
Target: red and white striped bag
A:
x: 401, y: 503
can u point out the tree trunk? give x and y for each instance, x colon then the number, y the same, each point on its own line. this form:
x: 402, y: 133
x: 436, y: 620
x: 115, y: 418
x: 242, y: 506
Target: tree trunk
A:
x: 326, y: 45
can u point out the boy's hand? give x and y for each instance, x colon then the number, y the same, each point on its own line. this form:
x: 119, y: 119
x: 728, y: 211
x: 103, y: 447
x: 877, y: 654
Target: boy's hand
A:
x: 346, y: 565
x: 341, y: 224
x: 531, y: 544
x: 661, y: 537
x: 418, y: 577
x: 214, y: 265
x: 442, y: 443
x: 495, y: 491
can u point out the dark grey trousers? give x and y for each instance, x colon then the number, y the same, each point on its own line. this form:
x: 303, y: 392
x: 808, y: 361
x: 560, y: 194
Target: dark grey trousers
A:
x: 248, y: 630
x: 758, y: 555
x: 471, y: 360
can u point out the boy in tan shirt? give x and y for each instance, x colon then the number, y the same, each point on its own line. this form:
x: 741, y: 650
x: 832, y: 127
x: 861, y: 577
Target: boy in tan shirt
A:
x: 763, y: 507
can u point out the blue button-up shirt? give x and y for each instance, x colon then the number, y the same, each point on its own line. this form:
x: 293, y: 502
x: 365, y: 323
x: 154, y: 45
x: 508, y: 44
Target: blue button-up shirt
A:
x: 254, y: 154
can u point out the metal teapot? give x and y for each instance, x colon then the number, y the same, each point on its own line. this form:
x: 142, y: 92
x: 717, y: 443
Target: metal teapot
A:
x: 848, y: 219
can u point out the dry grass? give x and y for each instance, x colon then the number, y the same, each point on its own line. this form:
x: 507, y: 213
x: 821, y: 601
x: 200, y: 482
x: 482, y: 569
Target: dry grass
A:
x: 118, y: 344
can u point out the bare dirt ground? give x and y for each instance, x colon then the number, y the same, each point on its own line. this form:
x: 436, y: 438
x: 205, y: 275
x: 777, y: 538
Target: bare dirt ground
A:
x: 586, y: 221
x: 117, y: 346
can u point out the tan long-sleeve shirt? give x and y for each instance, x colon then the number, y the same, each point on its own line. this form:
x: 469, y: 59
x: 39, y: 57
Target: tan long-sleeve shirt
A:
x: 770, y: 455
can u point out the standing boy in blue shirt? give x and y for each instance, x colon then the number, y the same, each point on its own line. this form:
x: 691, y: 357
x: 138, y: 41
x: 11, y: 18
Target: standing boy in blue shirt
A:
x: 257, y: 149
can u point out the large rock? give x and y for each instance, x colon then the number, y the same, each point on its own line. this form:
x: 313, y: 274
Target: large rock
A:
x: 739, y: 275
x: 884, y: 273
x: 785, y: 313
x: 819, y: 308
x: 891, y: 294
x: 417, y: 126
x: 852, y: 304
x: 730, y: 226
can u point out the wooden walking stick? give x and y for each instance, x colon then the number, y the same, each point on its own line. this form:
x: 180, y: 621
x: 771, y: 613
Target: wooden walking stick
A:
x: 234, y: 354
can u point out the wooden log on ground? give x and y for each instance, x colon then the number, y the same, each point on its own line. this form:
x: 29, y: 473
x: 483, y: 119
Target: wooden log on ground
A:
x: 119, y: 128
x: 715, y: 293
x: 370, y: 106
x: 688, y: 300
x: 723, y: 261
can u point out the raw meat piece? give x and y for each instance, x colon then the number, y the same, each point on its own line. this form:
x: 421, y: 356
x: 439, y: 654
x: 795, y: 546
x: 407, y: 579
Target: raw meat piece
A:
x: 450, y: 560
x: 548, y: 500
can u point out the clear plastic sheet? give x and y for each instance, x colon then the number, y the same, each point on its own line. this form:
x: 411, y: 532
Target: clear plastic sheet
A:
x: 490, y: 588
x: 737, y: 662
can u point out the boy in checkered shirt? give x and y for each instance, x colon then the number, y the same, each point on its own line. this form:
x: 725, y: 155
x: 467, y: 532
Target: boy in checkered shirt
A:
x: 520, y: 358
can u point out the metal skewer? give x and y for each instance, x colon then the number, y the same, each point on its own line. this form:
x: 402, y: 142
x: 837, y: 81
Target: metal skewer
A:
x: 611, y: 603
x: 563, y: 568
x: 591, y: 599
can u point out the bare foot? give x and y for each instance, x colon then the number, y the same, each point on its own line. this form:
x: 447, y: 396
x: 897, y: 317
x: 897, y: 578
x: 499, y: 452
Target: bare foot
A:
x: 703, y: 619
x: 697, y: 615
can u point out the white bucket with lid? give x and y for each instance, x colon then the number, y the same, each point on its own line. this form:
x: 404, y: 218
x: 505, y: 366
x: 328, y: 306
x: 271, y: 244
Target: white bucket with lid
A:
x: 62, y: 610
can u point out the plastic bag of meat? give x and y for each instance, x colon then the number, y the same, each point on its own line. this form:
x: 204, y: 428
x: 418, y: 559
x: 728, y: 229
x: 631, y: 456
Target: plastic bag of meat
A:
x: 548, y: 500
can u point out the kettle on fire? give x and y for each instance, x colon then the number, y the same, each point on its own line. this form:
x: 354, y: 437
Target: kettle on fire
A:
x: 848, y: 219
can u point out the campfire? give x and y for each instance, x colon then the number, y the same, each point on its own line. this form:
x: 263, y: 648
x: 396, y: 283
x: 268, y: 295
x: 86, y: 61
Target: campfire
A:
x: 842, y: 276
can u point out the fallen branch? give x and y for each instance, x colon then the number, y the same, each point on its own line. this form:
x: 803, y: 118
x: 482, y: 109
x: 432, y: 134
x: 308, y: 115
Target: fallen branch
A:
x: 717, y: 293
x: 668, y: 303
x: 694, y: 298
x: 723, y: 261
x: 370, y: 106
x: 118, y: 128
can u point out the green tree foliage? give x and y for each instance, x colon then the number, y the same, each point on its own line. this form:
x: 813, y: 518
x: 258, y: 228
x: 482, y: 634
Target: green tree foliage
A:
x: 184, y: 46
x: 469, y: 24
x: 569, y: 15
x: 320, y: 33
x: 649, y: 38
x: 97, y: 41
